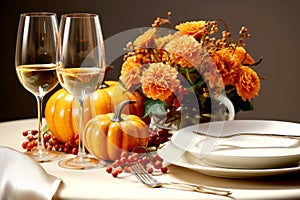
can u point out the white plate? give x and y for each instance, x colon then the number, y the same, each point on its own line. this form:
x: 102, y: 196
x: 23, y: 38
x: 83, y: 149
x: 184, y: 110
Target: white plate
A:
x: 243, y: 152
x: 173, y: 155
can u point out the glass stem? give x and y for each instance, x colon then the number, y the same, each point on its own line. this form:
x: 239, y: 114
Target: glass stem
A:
x: 81, y: 149
x: 40, y: 144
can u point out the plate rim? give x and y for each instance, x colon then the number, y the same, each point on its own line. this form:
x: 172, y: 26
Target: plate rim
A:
x: 190, y: 149
x: 224, y: 172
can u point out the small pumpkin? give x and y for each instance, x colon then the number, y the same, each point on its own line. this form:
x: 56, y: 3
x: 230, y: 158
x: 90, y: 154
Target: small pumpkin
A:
x: 60, y: 107
x: 108, y: 135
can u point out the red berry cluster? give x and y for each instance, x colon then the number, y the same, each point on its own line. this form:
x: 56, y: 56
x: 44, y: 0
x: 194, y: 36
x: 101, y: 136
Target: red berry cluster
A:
x: 150, y: 161
x: 31, y: 142
x: 50, y: 142
x: 157, y: 137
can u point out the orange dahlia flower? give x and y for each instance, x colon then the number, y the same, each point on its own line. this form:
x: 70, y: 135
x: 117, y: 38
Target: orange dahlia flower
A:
x: 131, y: 78
x: 194, y: 28
x: 129, y: 64
x: 185, y: 51
x: 249, y: 83
x: 146, y: 40
x: 228, y: 65
x: 162, y: 41
x: 243, y: 56
x: 159, y: 81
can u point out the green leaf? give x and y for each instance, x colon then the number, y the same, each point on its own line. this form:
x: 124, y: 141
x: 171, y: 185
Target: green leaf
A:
x: 187, y: 70
x: 246, y: 106
x: 238, y: 102
x: 158, y: 109
x: 155, y: 107
x: 45, y: 128
x: 199, y: 80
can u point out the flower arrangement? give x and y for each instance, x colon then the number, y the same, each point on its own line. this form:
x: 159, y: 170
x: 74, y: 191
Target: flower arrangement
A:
x: 170, y: 68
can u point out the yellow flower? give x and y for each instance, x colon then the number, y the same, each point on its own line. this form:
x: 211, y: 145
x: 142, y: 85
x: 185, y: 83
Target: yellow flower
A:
x: 159, y: 81
x: 194, y: 28
x: 146, y: 40
x: 249, y: 83
x: 228, y: 65
x: 185, y: 51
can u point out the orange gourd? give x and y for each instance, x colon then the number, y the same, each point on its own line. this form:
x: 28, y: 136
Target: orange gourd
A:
x: 108, y: 135
x: 61, y: 106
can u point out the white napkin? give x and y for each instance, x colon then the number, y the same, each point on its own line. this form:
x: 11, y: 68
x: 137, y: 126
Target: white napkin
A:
x: 22, y: 178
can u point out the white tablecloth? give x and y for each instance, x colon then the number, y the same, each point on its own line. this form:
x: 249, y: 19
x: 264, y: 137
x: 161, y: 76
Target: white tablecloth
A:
x: 98, y: 184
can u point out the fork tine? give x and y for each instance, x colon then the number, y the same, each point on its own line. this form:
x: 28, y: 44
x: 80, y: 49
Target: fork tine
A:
x: 142, y: 175
x: 145, y: 174
x: 139, y: 167
x: 136, y: 173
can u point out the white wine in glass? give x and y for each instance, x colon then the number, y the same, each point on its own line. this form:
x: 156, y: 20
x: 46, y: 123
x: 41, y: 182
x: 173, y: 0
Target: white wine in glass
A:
x: 35, y: 62
x: 80, y: 69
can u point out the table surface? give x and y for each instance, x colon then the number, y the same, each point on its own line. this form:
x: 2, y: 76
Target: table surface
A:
x: 98, y: 184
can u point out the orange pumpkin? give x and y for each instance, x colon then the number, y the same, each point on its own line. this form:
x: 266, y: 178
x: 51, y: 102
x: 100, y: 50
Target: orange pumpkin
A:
x: 108, y: 135
x: 61, y: 106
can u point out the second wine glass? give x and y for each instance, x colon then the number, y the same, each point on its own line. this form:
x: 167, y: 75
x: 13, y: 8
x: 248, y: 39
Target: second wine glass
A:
x: 81, y: 69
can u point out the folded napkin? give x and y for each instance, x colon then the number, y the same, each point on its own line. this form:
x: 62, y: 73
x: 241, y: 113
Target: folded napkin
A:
x: 22, y: 178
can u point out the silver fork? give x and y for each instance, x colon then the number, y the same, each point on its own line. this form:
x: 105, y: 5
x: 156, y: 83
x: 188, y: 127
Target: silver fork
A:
x: 249, y: 134
x: 144, y: 177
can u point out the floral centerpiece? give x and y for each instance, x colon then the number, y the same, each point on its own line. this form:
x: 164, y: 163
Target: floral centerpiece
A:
x: 191, y: 63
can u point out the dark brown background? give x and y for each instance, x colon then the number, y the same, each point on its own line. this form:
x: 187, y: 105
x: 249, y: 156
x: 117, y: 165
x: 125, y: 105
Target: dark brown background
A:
x: 274, y: 25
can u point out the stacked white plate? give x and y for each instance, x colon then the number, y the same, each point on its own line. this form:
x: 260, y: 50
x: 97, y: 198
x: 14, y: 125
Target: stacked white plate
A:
x: 242, y: 156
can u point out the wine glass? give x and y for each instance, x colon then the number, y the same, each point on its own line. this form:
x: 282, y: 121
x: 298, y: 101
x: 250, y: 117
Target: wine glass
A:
x: 35, y: 60
x: 80, y: 70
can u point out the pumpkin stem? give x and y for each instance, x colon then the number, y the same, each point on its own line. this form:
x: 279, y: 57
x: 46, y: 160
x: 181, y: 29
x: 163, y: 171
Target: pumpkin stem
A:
x: 103, y: 85
x: 117, y: 116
